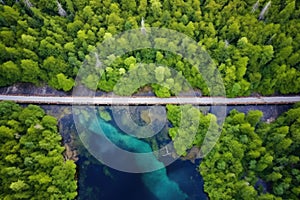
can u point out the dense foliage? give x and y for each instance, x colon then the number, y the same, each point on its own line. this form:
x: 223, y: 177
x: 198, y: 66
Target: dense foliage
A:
x: 187, y: 133
x: 31, y: 161
x: 47, y: 41
x: 252, y: 159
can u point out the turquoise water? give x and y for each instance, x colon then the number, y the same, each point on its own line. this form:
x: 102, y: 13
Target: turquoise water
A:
x: 157, y: 182
x: 178, y: 181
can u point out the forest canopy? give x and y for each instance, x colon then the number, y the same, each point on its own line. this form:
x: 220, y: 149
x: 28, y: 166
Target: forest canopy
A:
x: 254, y: 44
x: 251, y: 160
x: 31, y: 162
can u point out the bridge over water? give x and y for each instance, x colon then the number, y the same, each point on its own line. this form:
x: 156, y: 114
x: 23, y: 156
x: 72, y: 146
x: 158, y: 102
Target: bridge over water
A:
x: 137, y: 100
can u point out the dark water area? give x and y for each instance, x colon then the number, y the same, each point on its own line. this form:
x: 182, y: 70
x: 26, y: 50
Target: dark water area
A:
x: 101, y: 182
x: 156, y: 182
x: 186, y: 174
x: 113, y: 184
x: 97, y: 181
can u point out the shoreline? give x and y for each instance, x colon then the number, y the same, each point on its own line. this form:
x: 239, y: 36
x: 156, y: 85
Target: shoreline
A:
x: 29, y: 89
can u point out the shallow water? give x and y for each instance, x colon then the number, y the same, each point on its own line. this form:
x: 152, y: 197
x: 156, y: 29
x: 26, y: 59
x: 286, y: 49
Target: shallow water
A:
x: 178, y: 181
x: 100, y: 182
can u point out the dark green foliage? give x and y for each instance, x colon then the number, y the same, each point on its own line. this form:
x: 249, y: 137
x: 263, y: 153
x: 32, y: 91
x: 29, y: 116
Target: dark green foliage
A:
x: 251, y: 160
x: 255, y: 160
x: 31, y: 161
x: 9, y: 73
x: 190, y: 127
x: 252, y: 55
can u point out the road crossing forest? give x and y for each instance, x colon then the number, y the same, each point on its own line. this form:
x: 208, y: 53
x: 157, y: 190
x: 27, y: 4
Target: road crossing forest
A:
x: 151, y: 100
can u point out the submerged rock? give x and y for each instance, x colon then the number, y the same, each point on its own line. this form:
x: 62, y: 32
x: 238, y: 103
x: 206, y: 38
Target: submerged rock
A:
x: 193, y: 154
x: 70, y: 154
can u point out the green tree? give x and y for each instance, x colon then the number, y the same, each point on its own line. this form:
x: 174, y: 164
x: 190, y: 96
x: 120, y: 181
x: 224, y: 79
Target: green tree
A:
x: 29, y: 41
x: 9, y: 73
x: 253, y: 117
x: 54, y: 66
x: 30, y: 71
x: 64, y: 83
x: 31, y: 161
